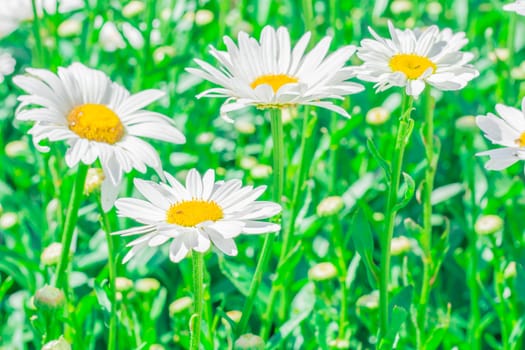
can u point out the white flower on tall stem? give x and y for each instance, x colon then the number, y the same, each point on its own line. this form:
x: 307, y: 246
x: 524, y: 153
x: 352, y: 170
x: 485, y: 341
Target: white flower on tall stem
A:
x: 99, y: 119
x: 507, y: 130
x: 7, y: 65
x: 195, y: 215
x: 517, y: 6
x: 414, y: 58
x: 269, y: 73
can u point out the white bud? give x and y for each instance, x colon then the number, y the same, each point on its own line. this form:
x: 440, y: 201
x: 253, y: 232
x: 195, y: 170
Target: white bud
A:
x: 133, y: 8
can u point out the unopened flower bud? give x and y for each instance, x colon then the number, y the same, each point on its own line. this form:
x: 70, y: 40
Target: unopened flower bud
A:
x: 8, y: 220
x: 339, y: 344
x: 467, y: 123
x: 245, y: 127
x: 248, y: 162
x: 133, y: 8
x: 369, y: 301
x: 51, y: 254
x: 510, y: 270
x: 261, y: 171
x: 399, y: 245
x: 203, y: 17
x: 16, y: 148
x: 377, y: 116
x: 330, y: 206
x: 234, y: 315
x: 180, y: 305
x: 123, y: 284
x: 49, y: 298
x: 434, y: 8
x: 163, y: 52
x: 94, y: 179
x: 322, y: 272
x: 401, y: 6
x: 499, y: 54
x: 488, y: 224
x: 205, y: 138
x: 59, y: 344
x: 147, y: 285
x: 156, y: 347
x: 249, y: 342
x: 70, y: 27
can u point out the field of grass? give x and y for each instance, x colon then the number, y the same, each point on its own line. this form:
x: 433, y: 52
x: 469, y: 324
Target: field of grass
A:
x: 456, y: 279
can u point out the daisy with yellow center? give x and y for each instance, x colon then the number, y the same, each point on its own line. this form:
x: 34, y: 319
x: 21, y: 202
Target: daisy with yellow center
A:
x: 414, y: 58
x: 195, y: 215
x: 97, y: 118
x: 270, y: 73
x: 507, y: 130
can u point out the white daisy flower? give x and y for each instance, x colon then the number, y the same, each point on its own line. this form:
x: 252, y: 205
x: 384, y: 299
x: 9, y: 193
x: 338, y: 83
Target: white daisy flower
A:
x: 508, y: 131
x: 14, y: 12
x: 414, y: 58
x: 99, y: 119
x: 271, y: 74
x: 517, y: 6
x: 195, y: 215
x: 7, y: 65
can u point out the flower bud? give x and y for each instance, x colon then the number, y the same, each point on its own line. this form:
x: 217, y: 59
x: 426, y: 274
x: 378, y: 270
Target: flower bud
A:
x: 322, y: 272
x: 163, y: 52
x: 261, y: 171
x: 377, y: 116
x: 205, y: 138
x: 59, y: 344
x: 234, y: 315
x: 16, y: 148
x: 467, y: 123
x: 180, y: 305
x: 248, y: 162
x: 8, y: 220
x: 510, y: 270
x: 49, y: 298
x: 51, y: 254
x: 249, y: 342
x: 133, y: 8
x: 156, y: 347
x: 400, y: 6
x: 94, y: 179
x: 488, y: 224
x: 245, y: 127
x: 70, y: 27
x: 369, y: 301
x: 339, y: 344
x: 147, y: 285
x: 123, y: 284
x: 330, y: 206
x: 399, y: 245
x: 499, y: 54
x: 203, y: 17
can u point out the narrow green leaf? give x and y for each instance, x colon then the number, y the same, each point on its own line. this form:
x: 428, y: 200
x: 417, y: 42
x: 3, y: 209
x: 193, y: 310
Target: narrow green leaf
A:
x: 408, y: 189
x: 364, y: 243
x: 379, y: 158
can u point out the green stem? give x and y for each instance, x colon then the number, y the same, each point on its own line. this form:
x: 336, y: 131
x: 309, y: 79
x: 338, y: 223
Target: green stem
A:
x: 403, y: 134
x: 511, y: 46
x: 69, y: 227
x: 36, y: 32
x: 278, y: 187
x: 426, y: 236
x: 309, y: 16
x: 112, y: 273
x: 472, y: 269
x: 198, y: 293
x: 343, y: 271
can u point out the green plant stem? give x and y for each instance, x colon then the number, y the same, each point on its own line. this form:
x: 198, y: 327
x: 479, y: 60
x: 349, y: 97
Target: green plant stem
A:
x: 501, y: 305
x: 198, y: 293
x: 112, y: 274
x: 309, y: 15
x: 288, y: 234
x: 472, y: 268
x: 278, y: 187
x: 510, y: 64
x: 37, y: 34
x: 403, y: 134
x: 426, y: 236
x: 69, y: 227
x: 343, y: 271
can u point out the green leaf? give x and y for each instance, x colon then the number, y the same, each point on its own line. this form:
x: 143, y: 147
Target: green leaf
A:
x: 379, y: 158
x: 364, y: 244
x: 408, y: 189
x: 241, y: 277
x: 397, y: 319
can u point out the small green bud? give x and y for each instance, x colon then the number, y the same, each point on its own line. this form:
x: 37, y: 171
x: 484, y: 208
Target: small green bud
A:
x: 249, y: 342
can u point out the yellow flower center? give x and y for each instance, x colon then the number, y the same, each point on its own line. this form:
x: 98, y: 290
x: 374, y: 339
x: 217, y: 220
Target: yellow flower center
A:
x: 521, y: 141
x: 193, y: 212
x: 274, y: 80
x: 412, y: 65
x: 96, y: 123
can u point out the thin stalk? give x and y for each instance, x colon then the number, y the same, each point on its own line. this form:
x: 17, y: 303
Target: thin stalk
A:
x: 500, y: 305
x: 343, y: 271
x: 426, y: 236
x: 112, y: 274
x: 278, y: 187
x: 403, y: 134
x: 309, y: 16
x: 510, y: 64
x: 198, y: 292
x: 288, y: 234
x: 472, y: 269
x: 37, y: 34
x: 69, y: 227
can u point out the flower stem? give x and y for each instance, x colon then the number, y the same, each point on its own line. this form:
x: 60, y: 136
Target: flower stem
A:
x: 69, y: 227
x: 426, y: 236
x: 511, y: 43
x: 278, y: 186
x: 112, y: 274
x: 403, y: 134
x: 37, y: 34
x: 198, y: 293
